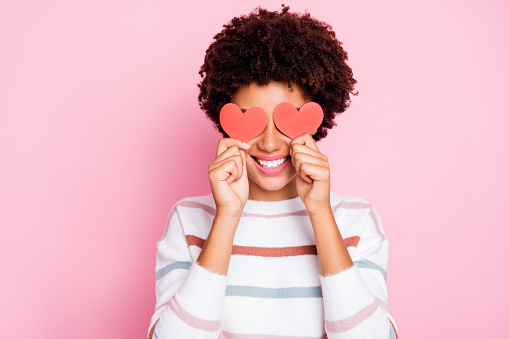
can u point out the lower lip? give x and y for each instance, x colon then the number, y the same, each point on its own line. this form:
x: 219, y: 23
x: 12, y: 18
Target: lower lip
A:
x: 271, y: 171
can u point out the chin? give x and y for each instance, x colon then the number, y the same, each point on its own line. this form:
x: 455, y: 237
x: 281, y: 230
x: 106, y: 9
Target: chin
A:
x: 274, y: 183
x: 272, y: 186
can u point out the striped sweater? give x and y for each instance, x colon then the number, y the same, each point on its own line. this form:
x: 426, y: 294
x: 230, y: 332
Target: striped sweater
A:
x: 273, y: 288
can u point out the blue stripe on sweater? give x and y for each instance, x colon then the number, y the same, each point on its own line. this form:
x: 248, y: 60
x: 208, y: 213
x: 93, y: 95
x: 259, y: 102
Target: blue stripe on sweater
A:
x: 280, y: 293
x: 371, y: 265
x: 176, y: 265
x: 392, y: 335
x: 186, y: 264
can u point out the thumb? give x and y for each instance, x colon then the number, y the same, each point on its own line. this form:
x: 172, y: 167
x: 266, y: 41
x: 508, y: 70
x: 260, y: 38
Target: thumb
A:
x: 244, y: 169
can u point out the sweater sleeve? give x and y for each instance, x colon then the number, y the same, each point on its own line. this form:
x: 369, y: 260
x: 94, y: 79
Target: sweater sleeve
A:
x: 189, y: 298
x: 355, y: 299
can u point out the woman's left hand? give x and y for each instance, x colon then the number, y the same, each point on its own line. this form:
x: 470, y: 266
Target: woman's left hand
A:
x: 313, y: 174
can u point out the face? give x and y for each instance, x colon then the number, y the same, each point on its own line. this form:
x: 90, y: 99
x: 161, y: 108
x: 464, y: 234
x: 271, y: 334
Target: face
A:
x: 270, y: 172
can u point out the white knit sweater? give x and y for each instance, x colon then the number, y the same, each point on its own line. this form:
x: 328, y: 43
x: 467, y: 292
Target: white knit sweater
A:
x: 273, y: 288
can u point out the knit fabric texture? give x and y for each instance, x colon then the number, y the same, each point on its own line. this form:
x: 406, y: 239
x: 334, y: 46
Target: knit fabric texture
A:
x: 274, y: 288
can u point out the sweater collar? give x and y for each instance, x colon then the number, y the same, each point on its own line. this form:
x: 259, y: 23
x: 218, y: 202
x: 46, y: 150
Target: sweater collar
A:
x: 274, y: 207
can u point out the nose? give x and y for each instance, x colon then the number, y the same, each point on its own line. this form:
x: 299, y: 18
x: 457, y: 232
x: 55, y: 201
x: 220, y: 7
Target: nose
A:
x: 271, y: 138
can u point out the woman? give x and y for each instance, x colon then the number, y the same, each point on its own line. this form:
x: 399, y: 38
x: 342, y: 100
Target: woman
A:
x: 272, y: 252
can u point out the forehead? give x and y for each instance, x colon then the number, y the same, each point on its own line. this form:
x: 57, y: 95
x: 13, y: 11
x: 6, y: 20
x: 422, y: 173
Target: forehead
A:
x: 269, y: 96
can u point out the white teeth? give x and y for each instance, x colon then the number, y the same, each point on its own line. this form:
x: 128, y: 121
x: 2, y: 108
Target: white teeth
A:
x: 271, y: 164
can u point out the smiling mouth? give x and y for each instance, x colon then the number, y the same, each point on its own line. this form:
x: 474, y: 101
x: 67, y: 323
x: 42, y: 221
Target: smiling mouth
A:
x: 271, y: 164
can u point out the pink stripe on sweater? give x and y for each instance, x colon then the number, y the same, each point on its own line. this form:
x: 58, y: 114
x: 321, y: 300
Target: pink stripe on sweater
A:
x: 211, y: 210
x: 280, y: 215
x: 349, y: 323
x: 150, y: 335
x: 191, y: 320
x: 190, y: 204
x: 194, y: 204
x: 360, y: 205
x: 228, y: 335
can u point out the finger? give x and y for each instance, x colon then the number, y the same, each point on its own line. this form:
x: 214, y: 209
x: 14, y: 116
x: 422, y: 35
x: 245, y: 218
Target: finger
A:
x: 237, y: 158
x: 306, y: 149
x: 305, y: 178
x: 302, y: 158
x: 244, y: 169
x: 230, y: 151
x: 305, y: 139
x: 224, y: 171
x: 298, y: 148
x: 233, y: 174
x: 315, y: 172
x: 224, y: 143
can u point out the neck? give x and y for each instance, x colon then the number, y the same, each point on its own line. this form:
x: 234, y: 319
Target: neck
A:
x: 258, y: 193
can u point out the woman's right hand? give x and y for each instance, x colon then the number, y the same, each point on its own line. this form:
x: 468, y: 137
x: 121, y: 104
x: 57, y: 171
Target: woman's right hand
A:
x: 228, y: 177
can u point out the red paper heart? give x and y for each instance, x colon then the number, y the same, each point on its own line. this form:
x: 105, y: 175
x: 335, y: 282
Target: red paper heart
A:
x: 293, y: 122
x: 244, y: 126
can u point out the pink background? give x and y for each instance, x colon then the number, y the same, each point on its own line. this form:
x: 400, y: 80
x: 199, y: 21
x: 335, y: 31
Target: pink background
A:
x: 101, y: 133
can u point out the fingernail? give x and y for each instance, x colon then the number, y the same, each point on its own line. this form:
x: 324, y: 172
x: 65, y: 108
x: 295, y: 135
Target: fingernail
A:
x: 245, y: 145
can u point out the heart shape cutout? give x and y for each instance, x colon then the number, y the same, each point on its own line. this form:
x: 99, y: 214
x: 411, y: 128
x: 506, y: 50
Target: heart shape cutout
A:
x: 293, y: 122
x: 244, y: 126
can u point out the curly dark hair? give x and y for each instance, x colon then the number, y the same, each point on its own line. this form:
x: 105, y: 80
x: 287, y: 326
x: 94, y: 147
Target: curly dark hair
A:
x: 269, y: 46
